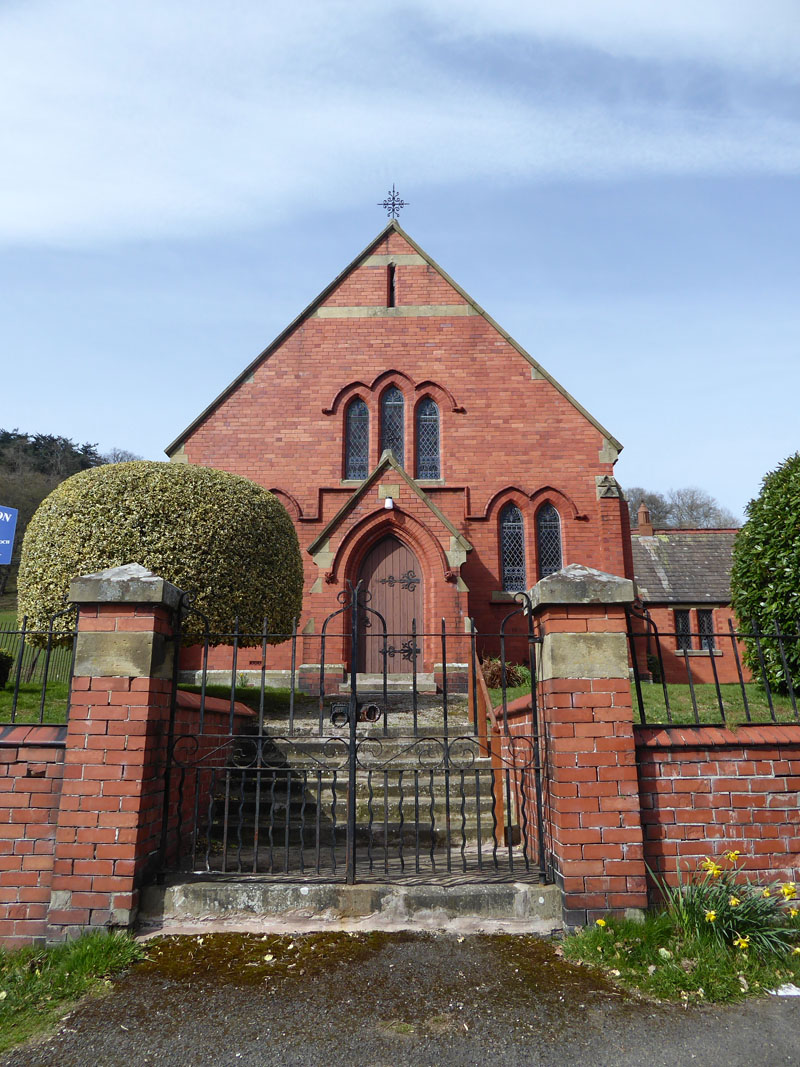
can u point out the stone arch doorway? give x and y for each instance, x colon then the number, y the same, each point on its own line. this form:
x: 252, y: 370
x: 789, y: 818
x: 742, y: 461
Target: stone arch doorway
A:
x: 391, y: 574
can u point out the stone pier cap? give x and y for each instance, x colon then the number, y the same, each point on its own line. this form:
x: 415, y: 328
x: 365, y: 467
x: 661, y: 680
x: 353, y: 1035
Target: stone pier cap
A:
x: 576, y: 584
x: 129, y: 584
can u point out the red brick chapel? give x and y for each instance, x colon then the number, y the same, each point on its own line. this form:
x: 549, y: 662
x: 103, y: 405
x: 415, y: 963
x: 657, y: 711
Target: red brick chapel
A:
x: 417, y: 447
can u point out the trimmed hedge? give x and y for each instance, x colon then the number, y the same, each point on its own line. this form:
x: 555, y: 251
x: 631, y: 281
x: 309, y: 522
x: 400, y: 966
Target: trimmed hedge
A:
x: 765, y: 577
x: 215, y: 535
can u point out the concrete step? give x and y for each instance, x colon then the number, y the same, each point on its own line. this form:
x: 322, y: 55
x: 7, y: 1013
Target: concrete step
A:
x: 395, y: 683
x: 435, y: 902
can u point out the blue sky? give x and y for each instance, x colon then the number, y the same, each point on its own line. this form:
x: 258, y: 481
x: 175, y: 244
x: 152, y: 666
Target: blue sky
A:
x: 616, y: 182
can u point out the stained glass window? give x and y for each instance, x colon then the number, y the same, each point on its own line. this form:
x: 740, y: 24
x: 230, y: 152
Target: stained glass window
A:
x: 392, y: 423
x: 548, y: 540
x: 428, y: 465
x: 356, y: 440
x: 705, y: 626
x: 683, y: 630
x: 512, y: 549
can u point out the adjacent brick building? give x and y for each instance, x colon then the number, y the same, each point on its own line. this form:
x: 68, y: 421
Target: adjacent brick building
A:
x: 406, y: 432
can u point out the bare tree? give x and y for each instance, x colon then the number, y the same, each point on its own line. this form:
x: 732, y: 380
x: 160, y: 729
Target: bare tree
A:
x: 119, y: 455
x: 680, y: 508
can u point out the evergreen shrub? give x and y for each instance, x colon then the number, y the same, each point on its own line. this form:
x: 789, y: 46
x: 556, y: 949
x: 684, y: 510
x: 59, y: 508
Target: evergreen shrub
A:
x: 765, y: 577
x: 217, y: 536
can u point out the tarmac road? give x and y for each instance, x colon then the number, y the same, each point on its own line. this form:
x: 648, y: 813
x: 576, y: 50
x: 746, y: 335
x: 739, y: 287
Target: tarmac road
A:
x: 391, y: 1000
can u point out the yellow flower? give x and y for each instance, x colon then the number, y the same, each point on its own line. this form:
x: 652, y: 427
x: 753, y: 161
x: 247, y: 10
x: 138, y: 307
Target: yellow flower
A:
x: 708, y: 864
x: 796, y: 951
x: 710, y: 916
x: 732, y: 855
x: 734, y: 902
x: 600, y: 922
x: 793, y: 912
x: 788, y: 889
x: 741, y: 942
x: 766, y: 892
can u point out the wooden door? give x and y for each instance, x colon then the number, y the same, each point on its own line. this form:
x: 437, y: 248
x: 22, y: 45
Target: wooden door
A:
x: 392, y: 575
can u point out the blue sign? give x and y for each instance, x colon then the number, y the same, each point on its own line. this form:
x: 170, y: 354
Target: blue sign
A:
x: 8, y: 525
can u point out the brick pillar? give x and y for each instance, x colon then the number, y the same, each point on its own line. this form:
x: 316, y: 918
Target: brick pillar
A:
x: 111, y: 801
x: 590, y: 774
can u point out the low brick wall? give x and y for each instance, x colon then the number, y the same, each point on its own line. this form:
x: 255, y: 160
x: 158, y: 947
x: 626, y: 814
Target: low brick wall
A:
x: 707, y: 789
x: 31, y: 772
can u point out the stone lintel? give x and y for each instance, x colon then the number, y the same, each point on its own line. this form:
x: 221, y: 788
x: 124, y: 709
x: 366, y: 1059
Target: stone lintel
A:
x: 576, y: 584
x: 583, y: 656
x: 123, y: 654
x: 129, y: 584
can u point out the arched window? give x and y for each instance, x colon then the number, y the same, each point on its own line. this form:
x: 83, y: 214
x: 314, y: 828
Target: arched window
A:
x: 548, y: 540
x: 428, y: 465
x: 512, y: 549
x: 356, y: 439
x: 392, y: 423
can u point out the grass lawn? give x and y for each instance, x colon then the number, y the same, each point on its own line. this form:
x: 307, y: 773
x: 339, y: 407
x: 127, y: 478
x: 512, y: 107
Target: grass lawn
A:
x: 708, y: 709
x: 682, y: 709
x: 8, y: 620
x: 654, y: 958
x: 29, y: 702
x: 40, y: 985
x: 276, y: 701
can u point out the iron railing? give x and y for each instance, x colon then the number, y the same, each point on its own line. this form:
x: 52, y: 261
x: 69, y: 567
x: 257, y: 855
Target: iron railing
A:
x: 731, y: 677
x: 36, y: 669
x: 413, y: 773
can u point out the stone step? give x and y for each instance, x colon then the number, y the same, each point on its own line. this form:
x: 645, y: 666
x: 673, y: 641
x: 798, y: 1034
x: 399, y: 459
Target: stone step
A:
x: 434, y: 901
x: 395, y: 683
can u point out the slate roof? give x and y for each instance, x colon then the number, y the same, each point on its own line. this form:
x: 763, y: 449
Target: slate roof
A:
x: 684, y: 566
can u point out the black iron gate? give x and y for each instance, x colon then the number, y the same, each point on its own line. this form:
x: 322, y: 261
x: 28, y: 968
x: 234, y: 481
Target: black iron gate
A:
x: 420, y: 776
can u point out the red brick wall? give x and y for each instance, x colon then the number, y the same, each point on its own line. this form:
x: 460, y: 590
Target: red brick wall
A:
x: 590, y: 775
x: 675, y: 665
x: 504, y: 436
x: 707, y: 789
x: 31, y: 765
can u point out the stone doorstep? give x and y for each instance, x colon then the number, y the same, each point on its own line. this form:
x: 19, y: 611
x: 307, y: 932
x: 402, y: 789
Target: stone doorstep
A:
x: 242, y: 904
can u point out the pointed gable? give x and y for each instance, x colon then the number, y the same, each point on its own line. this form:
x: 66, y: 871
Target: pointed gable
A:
x: 419, y: 289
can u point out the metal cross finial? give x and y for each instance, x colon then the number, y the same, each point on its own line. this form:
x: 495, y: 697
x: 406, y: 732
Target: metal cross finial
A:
x: 393, y: 204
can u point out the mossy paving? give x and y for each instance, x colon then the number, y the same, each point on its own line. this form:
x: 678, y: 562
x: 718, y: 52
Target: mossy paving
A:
x: 253, y: 959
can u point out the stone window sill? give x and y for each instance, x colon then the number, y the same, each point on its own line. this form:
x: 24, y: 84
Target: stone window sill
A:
x: 500, y: 596
x: 697, y: 652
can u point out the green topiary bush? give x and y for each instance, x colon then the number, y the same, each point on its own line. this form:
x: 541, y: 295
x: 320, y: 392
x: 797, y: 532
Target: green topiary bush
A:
x: 6, y: 663
x: 217, y: 536
x: 765, y: 577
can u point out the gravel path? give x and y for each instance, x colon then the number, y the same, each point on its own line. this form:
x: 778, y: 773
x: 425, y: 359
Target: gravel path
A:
x: 391, y: 1000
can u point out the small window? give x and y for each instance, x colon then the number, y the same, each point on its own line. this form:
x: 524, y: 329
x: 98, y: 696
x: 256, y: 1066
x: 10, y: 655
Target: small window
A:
x: 705, y: 627
x: 356, y: 440
x: 548, y: 540
x: 683, y: 630
x: 512, y: 549
x: 392, y: 423
x: 428, y: 465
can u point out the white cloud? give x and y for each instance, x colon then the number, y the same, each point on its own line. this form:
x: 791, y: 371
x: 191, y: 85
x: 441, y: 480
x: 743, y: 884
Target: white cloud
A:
x: 135, y: 121
x: 762, y: 36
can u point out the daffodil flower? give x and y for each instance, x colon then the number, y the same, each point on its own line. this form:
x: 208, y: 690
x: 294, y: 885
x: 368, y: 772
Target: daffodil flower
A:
x: 732, y: 855
x: 741, y: 942
x: 711, y: 916
x: 766, y: 892
x: 734, y: 902
x: 796, y: 951
x: 793, y: 912
x: 788, y: 889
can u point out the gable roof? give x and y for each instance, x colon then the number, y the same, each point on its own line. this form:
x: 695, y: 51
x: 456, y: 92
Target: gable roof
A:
x: 392, y: 227
x: 684, y: 566
x: 386, y: 462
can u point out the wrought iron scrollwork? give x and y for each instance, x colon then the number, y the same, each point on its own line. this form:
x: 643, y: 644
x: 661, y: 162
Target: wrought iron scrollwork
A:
x: 408, y: 581
x: 407, y: 651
